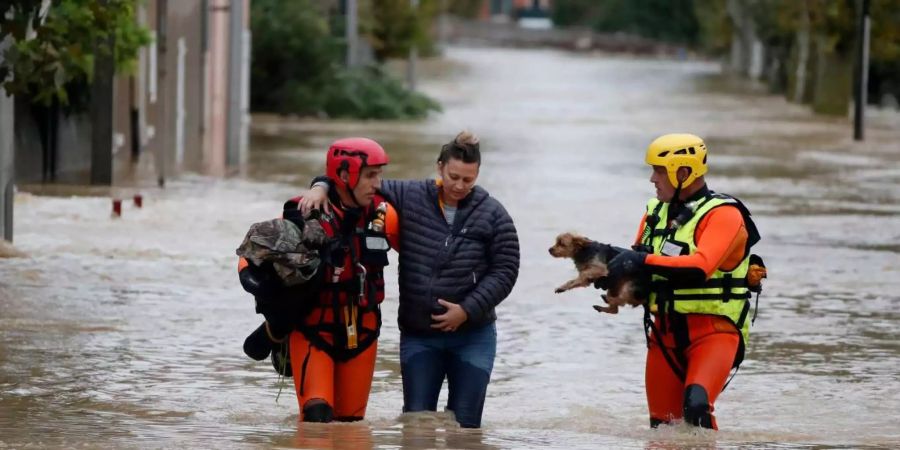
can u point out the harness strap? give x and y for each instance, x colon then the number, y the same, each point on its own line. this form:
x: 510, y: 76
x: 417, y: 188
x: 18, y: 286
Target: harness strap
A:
x: 736, y: 368
x: 727, y: 281
x: 336, y: 330
x: 334, y: 256
x: 755, y: 308
x: 726, y: 288
x: 743, y: 317
x: 682, y: 337
x: 650, y: 328
x: 372, y: 293
x: 691, y: 297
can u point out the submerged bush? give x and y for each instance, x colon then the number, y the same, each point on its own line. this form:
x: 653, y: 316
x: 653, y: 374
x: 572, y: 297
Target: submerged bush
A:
x: 369, y: 93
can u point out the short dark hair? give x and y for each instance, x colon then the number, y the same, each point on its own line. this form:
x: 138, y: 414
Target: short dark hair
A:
x: 464, y: 147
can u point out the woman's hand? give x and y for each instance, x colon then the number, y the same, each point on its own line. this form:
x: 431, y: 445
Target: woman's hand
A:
x: 450, y: 320
x: 315, y: 198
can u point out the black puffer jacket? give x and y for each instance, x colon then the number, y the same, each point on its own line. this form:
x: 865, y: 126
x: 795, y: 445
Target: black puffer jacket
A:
x: 474, y: 264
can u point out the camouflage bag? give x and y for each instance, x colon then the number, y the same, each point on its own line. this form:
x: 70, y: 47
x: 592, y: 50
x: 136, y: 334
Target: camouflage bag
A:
x: 292, y: 250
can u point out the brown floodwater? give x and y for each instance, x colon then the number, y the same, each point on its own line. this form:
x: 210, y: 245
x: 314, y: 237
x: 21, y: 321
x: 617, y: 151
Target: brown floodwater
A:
x: 127, y: 333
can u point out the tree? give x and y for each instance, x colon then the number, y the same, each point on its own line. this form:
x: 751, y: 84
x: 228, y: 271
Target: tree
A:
x: 298, y: 68
x: 396, y: 27
x: 54, y: 49
x: 812, y: 43
x: 662, y: 20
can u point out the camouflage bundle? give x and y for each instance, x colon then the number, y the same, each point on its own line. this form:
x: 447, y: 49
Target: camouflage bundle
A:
x: 292, y: 250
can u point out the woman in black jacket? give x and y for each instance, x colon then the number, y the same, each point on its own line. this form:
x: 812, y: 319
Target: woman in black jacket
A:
x: 459, y: 258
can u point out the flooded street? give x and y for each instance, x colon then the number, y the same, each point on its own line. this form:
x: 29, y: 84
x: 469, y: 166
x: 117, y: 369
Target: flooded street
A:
x: 127, y: 333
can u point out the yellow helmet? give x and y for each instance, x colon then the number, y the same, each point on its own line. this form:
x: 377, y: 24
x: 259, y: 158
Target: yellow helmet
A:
x: 678, y: 150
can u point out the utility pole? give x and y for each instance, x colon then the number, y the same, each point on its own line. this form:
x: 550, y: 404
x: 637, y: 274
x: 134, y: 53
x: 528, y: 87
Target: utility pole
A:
x: 7, y: 154
x: 234, y: 155
x: 352, y: 33
x: 862, y: 71
x: 162, y: 35
x: 413, y: 48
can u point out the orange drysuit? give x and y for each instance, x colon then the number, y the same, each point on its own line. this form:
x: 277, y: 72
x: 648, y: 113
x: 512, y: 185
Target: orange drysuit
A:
x: 702, y: 346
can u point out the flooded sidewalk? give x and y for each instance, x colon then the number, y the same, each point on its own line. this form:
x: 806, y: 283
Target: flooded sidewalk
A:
x: 127, y: 333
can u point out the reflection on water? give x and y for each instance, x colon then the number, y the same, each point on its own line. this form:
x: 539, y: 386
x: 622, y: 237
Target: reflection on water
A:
x: 127, y: 333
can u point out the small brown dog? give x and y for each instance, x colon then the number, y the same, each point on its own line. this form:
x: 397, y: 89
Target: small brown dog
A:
x: 590, y: 259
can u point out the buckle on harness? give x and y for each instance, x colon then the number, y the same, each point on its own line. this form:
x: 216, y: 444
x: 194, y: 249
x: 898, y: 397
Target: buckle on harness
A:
x: 362, y: 285
x: 350, y: 318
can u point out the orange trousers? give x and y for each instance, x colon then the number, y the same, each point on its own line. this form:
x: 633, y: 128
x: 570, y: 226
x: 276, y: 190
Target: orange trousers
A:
x: 344, y: 386
x: 710, y: 355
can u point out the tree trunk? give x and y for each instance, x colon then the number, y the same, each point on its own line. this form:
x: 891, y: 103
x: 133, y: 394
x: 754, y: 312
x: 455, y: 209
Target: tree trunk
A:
x: 834, y: 80
x: 802, y: 55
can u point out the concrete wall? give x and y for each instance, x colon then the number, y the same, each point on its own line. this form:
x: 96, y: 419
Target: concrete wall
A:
x: 167, y: 92
x: 72, y: 157
x: 189, y: 117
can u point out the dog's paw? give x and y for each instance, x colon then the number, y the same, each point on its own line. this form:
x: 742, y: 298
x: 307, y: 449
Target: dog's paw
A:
x: 600, y: 309
x: 559, y: 290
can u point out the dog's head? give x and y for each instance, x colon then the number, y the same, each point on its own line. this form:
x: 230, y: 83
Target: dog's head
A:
x: 567, y: 244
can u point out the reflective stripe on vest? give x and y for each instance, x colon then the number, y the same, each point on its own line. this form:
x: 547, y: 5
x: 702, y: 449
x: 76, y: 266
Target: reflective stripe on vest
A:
x: 725, y: 293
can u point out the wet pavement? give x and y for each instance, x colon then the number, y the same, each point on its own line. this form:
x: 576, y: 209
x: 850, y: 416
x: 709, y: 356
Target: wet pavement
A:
x: 127, y: 333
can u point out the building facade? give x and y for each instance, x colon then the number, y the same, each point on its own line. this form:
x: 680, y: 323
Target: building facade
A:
x: 184, y: 109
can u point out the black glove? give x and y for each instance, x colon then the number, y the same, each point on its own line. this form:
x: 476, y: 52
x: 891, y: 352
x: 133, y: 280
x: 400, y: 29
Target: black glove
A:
x: 260, y: 281
x: 628, y: 264
x: 611, y: 252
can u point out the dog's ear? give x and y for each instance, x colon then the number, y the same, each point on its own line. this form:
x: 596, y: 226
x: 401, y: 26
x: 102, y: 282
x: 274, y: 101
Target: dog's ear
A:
x: 580, y: 242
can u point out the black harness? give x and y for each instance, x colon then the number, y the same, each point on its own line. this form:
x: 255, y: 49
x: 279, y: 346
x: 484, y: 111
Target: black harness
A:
x: 355, y: 296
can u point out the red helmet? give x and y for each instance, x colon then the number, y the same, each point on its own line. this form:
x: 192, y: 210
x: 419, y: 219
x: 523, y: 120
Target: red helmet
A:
x: 352, y: 154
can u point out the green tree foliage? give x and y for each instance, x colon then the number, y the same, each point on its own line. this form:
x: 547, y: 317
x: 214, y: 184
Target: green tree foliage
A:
x: 396, y: 27
x: 464, y: 8
x: 884, y: 73
x: 369, y: 93
x: 298, y: 68
x: 886, y: 32
x: 777, y: 22
x: 715, y: 29
x: 664, y: 20
x: 53, y: 53
x: 294, y: 56
x: 567, y: 13
x: 832, y: 27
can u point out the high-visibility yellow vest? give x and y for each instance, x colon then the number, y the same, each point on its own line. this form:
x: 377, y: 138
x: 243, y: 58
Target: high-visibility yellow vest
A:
x: 725, y: 293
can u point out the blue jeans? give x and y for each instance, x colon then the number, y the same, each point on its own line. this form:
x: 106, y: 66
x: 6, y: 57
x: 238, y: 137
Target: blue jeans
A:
x: 465, y: 358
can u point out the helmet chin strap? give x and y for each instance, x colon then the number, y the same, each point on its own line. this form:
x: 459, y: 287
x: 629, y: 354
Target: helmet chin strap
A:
x: 352, y: 195
x: 355, y: 200
x: 676, y: 197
